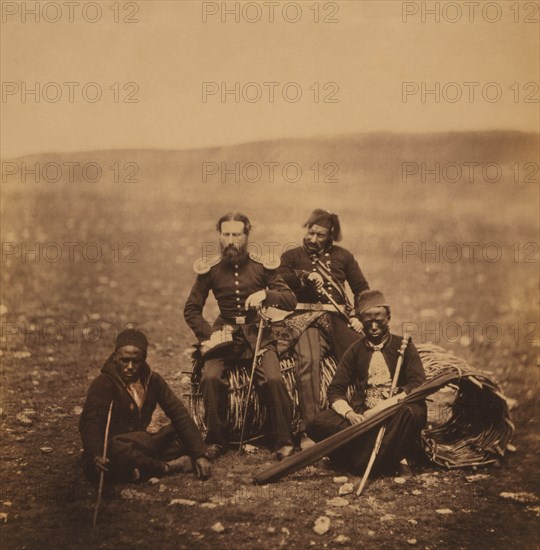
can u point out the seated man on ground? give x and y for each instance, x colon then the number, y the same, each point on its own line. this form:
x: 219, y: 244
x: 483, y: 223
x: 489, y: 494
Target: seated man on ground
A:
x: 134, y: 389
x: 369, y: 364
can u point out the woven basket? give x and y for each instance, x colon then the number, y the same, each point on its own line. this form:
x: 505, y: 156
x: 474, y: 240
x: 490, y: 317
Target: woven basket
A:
x: 468, y: 415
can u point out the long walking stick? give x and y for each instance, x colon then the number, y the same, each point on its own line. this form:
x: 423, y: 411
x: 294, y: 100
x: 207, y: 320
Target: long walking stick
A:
x: 102, y: 473
x: 382, y: 429
x: 255, y: 354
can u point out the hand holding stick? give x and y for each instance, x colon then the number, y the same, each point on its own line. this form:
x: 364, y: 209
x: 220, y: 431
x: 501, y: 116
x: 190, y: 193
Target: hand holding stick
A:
x: 103, y: 458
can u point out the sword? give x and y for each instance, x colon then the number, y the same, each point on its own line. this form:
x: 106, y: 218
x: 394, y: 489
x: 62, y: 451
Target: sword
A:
x: 253, y: 365
x: 382, y: 429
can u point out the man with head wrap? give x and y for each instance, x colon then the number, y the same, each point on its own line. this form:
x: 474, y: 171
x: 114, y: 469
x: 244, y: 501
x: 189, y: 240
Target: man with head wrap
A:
x: 317, y: 272
x: 240, y: 282
x: 135, y: 390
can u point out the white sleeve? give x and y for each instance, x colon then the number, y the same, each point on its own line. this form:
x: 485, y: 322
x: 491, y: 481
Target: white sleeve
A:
x: 342, y: 407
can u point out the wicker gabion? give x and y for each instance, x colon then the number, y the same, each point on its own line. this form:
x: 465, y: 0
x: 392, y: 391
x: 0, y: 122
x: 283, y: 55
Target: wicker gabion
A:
x: 468, y: 415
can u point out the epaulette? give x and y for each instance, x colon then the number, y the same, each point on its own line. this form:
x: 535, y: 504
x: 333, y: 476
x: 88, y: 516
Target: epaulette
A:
x: 267, y: 261
x: 204, y: 264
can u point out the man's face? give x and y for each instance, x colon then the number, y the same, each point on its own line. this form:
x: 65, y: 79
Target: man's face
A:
x: 375, y: 321
x: 233, y: 241
x: 316, y: 238
x: 129, y: 360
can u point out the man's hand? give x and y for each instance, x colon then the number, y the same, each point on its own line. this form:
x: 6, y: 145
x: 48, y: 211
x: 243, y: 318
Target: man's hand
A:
x: 316, y: 280
x: 256, y: 299
x: 356, y: 325
x: 354, y: 418
x: 202, y: 468
x: 100, y: 464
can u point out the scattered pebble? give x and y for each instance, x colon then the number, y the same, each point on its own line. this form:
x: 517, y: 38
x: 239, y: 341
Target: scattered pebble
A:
x: 285, y: 531
x: 7, y: 503
x: 340, y: 479
x: 209, y: 505
x: 22, y: 354
x: 400, y: 480
x: 322, y: 525
x: 182, y: 502
x: 46, y: 450
x: 271, y: 530
x: 444, y: 511
x: 371, y: 533
x: 131, y: 494
x: 523, y: 498
x: 162, y: 488
x: 412, y: 542
x: 346, y: 489
x: 511, y: 448
x: 476, y: 477
x: 3, y: 517
x: 342, y: 539
x: 153, y: 481
x: 388, y: 517
x: 24, y: 420
x: 412, y: 521
x: 3, y: 309
x: 338, y: 502
x: 218, y: 527
x: 416, y: 492
x: 77, y: 410
x: 250, y: 449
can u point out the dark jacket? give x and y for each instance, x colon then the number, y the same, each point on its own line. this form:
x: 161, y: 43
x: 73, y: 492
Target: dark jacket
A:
x: 353, y: 369
x: 297, y: 263
x: 231, y: 286
x: 126, y: 416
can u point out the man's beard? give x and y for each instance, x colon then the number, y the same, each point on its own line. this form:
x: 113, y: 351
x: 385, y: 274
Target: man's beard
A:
x: 314, y: 248
x: 233, y: 256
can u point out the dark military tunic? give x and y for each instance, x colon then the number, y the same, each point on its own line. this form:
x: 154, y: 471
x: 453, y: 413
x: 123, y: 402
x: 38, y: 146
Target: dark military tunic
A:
x: 402, y: 436
x: 231, y: 285
x: 298, y: 263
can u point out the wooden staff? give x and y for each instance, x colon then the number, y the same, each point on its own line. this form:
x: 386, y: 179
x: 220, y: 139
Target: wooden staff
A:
x: 102, y: 473
x: 382, y: 429
x: 250, y: 385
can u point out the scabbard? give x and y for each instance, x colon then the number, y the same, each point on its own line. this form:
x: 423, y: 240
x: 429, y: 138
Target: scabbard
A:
x: 334, y: 442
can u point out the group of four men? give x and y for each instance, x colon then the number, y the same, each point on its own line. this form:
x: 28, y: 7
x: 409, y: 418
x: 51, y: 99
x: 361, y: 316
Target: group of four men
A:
x: 310, y: 277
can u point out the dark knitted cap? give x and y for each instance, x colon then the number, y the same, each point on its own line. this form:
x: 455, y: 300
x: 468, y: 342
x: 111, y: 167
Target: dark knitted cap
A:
x: 369, y: 299
x: 132, y: 337
x: 325, y: 219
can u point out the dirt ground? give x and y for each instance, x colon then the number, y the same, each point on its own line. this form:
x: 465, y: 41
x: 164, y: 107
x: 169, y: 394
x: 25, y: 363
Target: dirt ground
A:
x: 59, y: 319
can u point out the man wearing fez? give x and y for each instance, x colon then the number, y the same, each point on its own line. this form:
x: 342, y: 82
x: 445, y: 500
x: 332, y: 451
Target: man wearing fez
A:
x: 134, y: 389
x: 369, y: 365
x: 317, y: 272
x: 241, y: 282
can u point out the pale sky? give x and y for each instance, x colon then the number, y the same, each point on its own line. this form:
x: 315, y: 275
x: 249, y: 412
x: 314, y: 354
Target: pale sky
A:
x: 170, y: 52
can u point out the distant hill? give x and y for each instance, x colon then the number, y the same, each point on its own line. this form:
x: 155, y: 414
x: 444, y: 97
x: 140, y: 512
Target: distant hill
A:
x: 354, y: 159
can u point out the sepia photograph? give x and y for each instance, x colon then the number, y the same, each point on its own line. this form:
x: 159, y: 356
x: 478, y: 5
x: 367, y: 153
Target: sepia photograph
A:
x: 270, y: 274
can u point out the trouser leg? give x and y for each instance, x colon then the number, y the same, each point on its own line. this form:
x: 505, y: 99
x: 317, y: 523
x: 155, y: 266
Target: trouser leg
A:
x: 214, y: 388
x: 307, y: 358
x: 134, y: 450
x: 343, y: 336
x: 276, y: 398
x: 401, y: 439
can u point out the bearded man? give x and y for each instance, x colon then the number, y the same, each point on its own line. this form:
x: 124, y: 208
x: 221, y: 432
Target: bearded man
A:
x: 240, y: 282
x: 317, y: 272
